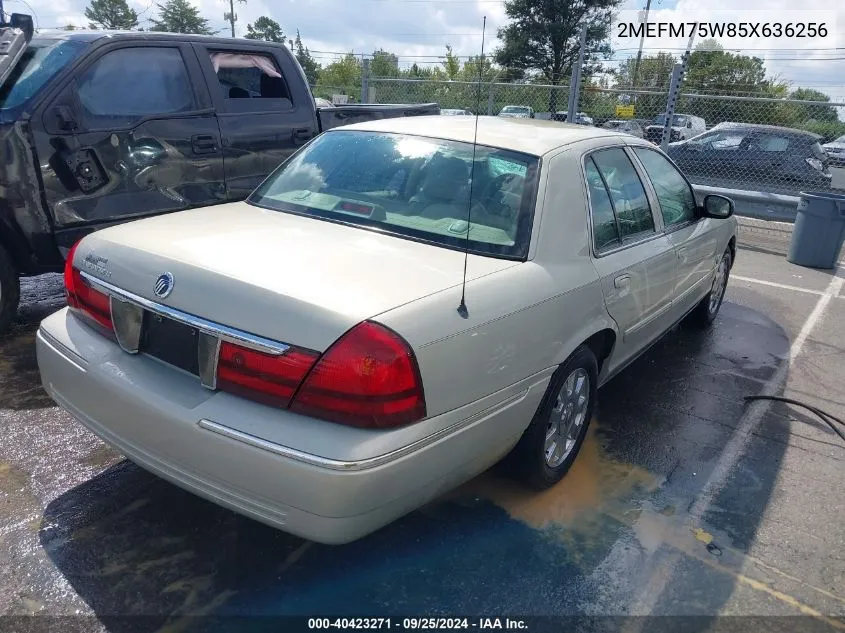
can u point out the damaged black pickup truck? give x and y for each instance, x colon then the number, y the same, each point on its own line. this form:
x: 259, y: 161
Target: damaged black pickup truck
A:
x: 101, y: 128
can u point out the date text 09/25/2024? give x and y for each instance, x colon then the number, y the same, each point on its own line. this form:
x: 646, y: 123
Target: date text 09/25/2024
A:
x: 415, y: 624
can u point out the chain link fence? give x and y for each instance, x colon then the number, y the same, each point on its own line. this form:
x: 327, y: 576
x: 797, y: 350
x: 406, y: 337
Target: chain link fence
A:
x: 732, y: 141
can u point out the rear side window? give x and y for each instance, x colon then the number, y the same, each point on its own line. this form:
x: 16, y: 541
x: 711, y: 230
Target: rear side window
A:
x: 677, y: 202
x: 769, y: 143
x: 247, y: 76
x: 605, y: 233
x: 128, y: 84
x: 630, y: 204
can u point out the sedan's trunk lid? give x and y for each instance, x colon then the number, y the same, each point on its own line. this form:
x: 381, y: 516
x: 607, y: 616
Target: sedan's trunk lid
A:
x: 292, y: 279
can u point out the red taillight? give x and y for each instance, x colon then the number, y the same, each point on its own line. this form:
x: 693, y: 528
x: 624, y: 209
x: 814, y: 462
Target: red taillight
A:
x: 81, y: 297
x: 264, y: 377
x: 69, y: 282
x: 369, y: 378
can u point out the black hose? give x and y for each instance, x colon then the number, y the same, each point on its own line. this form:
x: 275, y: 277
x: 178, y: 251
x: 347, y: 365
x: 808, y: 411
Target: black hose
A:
x: 824, y: 415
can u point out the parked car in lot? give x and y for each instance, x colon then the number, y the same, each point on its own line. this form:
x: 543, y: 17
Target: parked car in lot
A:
x: 455, y: 112
x: 581, y: 118
x: 684, y: 126
x: 627, y: 126
x: 759, y: 156
x: 836, y: 152
x: 311, y: 358
x: 99, y: 128
x: 517, y: 112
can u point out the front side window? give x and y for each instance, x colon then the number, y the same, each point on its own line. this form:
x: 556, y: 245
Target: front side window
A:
x: 248, y: 76
x: 677, y: 202
x: 410, y: 186
x: 627, y: 194
x: 128, y: 84
x: 41, y: 60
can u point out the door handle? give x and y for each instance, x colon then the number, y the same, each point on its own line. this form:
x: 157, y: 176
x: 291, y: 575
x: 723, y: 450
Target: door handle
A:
x: 682, y: 253
x: 203, y: 144
x: 622, y: 282
x: 302, y: 135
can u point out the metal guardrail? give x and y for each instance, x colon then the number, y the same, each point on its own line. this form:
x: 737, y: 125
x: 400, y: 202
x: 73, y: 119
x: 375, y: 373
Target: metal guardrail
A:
x: 756, y: 204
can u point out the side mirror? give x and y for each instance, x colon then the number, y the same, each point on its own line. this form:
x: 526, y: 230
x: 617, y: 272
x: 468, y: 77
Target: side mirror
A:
x: 689, y: 124
x: 717, y: 207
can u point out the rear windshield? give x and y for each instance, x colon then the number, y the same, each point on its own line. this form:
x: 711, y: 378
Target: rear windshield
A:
x: 42, y: 59
x: 411, y: 186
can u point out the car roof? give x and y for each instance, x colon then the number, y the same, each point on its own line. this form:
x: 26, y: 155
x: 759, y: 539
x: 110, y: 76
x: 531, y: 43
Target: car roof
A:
x: 91, y: 36
x: 529, y: 136
x: 764, y: 128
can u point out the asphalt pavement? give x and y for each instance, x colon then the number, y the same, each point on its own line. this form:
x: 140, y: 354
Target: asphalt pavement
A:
x: 685, y: 501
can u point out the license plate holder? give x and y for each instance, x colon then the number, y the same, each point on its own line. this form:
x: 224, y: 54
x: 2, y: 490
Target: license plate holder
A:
x: 171, y: 342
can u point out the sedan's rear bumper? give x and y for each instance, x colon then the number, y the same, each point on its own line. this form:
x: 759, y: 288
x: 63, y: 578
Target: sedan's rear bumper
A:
x: 167, y: 423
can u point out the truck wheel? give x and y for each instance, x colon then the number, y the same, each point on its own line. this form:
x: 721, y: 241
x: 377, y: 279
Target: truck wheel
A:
x: 9, y: 291
x: 551, y: 442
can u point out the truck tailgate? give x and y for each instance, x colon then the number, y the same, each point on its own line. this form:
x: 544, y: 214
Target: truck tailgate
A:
x: 347, y: 114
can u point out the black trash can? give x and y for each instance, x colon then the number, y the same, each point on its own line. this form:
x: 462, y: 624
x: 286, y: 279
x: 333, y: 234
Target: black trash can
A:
x: 819, y: 230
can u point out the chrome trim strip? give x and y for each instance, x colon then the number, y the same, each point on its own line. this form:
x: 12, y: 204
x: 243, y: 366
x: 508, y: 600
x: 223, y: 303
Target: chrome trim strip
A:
x: 355, y: 465
x: 208, y: 357
x: 225, y: 332
x: 693, y: 288
x: 653, y: 316
x: 127, y: 332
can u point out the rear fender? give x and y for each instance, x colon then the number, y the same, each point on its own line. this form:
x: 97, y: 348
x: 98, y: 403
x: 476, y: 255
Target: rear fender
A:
x: 25, y: 228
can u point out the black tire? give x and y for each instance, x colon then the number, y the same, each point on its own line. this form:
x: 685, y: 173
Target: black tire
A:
x: 528, y: 461
x: 10, y: 291
x: 705, y: 312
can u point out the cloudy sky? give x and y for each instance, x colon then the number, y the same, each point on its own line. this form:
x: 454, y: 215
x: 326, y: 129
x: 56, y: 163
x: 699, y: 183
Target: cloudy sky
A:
x: 418, y: 30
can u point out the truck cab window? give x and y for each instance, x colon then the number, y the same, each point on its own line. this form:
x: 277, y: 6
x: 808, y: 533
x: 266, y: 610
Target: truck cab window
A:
x: 249, y: 76
x: 113, y: 96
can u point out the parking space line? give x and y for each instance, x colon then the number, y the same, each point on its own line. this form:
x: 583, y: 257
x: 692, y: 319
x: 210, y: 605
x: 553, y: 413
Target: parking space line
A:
x: 777, y: 285
x: 733, y: 451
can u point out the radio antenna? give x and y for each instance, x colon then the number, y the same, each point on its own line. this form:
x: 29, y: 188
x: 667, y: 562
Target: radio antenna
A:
x: 462, y: 309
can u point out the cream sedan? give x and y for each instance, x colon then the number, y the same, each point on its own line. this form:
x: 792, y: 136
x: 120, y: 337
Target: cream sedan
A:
x: 312, y: 357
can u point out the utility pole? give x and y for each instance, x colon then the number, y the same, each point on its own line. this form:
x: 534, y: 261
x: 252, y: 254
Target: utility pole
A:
x: 644, y: 20
x: 231, y: 16
x: 575, y: 81
x: 2, y: 15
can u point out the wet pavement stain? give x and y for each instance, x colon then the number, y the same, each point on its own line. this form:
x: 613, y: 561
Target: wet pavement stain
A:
x: 20, y: 387
x: 594, y: 480
x: 12, y: 479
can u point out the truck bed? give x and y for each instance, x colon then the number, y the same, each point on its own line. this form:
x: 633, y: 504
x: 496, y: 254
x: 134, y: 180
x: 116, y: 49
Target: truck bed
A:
x: 346, y: 114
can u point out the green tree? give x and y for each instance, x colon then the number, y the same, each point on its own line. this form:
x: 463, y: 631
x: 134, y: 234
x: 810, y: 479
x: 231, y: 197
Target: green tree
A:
x: 542, y: 36
x: 112, y: 14
x: 384, y: 64
x: 69, y: 27
x: 451, y: 65
x: 343, y: 74
x: 266, y: 29
x: 180, y: 16
x: 813, y: 111
x: 309, y: 65
x: 653, y: 75
x: 713, y: 71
